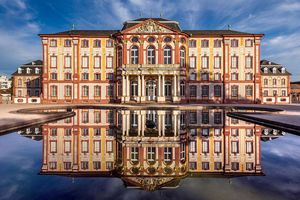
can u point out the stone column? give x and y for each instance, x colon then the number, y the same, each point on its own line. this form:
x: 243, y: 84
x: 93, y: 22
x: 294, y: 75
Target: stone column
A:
x: 45, y: 147
x: 143, y: 89
x: 159, y: 123
x: 163, y: 116
x: 123, y: 123
x: 76, y: 139
x: 127, y: 96
x: 175, y: 96
x: 139, y: 123
x: 143, y: 119
x: 123, y: 88
x: 139, y: 89
x: 160, y: 97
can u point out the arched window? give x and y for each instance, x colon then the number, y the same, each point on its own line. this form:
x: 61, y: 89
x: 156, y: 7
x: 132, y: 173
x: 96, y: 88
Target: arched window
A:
x: 134, y: 55
x: 151, y: 55
x: 134, y: 88
x: 168, y: 88
x: 182, y: 88
x: 19, y: 82
x: 274, y: 82
x: 265, y: 81
x: 167, y: 55
x: 182, y: 57
x: 120, y: 56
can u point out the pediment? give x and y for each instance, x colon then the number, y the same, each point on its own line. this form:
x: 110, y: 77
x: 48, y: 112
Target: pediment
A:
x: 149, y: 26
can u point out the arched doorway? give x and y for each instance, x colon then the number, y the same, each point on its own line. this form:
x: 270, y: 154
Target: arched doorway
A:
x: 151, y: 90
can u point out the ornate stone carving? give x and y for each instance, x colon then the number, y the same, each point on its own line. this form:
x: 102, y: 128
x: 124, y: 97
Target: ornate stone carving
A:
x: 150, y: 27
x: 150, y: 183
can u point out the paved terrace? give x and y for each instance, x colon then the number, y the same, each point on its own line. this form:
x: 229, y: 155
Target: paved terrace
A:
x: 16, y: 116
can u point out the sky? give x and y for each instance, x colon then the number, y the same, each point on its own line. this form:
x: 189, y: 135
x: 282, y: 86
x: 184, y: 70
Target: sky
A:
x: 22, y: 21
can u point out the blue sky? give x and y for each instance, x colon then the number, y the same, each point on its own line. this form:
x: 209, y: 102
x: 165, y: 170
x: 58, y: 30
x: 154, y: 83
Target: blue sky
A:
x: 22, y: 20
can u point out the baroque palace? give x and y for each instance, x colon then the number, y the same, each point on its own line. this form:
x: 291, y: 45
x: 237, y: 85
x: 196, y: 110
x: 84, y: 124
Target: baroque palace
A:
x: 151, y: 60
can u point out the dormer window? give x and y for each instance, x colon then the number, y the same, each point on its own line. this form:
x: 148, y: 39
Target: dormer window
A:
x: 28, y: 70
x: 37, y: 70
x: 283, y: 70
x: 265, y: 70
x: 274, y: 70
x: 19, y: 70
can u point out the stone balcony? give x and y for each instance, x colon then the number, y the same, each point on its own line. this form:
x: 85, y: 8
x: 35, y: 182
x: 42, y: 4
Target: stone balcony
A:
x: 148, y: 69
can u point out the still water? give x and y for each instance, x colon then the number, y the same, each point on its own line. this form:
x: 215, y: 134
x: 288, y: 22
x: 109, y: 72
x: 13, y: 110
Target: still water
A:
x: 149, y: 154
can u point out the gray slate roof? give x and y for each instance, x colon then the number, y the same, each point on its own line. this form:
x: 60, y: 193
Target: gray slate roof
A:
x: 270, y: 66
x: 32, y: 65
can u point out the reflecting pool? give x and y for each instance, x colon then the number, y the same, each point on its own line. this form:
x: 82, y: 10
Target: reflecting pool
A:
x: 149, y: 154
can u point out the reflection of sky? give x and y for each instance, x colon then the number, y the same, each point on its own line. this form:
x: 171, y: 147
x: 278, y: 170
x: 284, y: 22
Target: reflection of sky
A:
x: 20, y: 162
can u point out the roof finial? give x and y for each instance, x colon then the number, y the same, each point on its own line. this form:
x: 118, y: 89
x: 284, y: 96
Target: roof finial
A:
x: 229, y: 27
x: 73, y: 26
x: 151, y: 13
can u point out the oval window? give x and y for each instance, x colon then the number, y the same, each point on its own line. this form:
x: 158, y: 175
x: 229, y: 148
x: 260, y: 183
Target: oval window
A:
x: 134, y: 39
x: 151, y: 39
x: 168, y: 39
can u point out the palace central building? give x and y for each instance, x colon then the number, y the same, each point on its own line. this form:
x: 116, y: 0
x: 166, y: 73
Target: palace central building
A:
x: 151, y: 60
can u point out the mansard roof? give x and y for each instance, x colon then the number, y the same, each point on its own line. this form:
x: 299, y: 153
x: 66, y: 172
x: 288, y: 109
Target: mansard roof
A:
x: 32, y: 65
x: 85, y: 32
x: 216, y: 32
x: 270, y: 66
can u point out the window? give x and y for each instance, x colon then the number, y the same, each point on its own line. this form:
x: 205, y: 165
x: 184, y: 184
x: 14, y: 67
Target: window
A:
x: 205, y: 117
x: 52, y: 165
x: 109, y: 147
x: 218, y: 165
x: 53, y: 147
x: 67, y: 146
x: 84, y: 43
x: 182, y: 119
x: 85, y: 76
x: 110, y: 76
x: 182, y: 151
x: 96, y: 165
x: 134, y: 39
x: 234, y: 90
x: 205, y: 148
x: 205, y: 76
x: 85, y: 91
x: 217, y: 117
x: 249, y: 43
x: 217, y: 132
x: 182, y: 89
x: 283, y: 82
x: 151, y: 153
x: 274, y: 82
x: 19, y: 93
x: 134, y: 55
x: 192, y: 76
x: 217, y: 146
x: 235, y: 166
x: 68, y: 91
x: 134, y: 88
x: 167, y: 39
x: 53, y: 90
x: 192, y: 165
x: 167, y: 55
x: 97, y: 76
x: 97, y: 91
x: 109, y: 43
x: 193, y: 132
x: 217, y: 62
x: 134, y: 120
x: 97, y: 62
x: 249, y: 147
x: 274, y: 93
x: 204, y: 62
x: 109, y: 62
x: 192, y: 43
x: 265, y: 81
x: 192, y: 62
x: 234, y: 121
x: 134, y: 154
x: 205, y: 90
x: 67, y: 165
x: 204, y: 43
x: 85, y: 61
x: 151, y: 55
x: 97, y: 43
x: 68, y: 132
x: 109, y: 165
x: 97, y: 117
x: 217, y: 43
x: 249, y: 76
x: 249, y: 90
x: 68, y: 43
x: 235, y: 131
x: 217, y: 91
x: 283, y: 93
x: 182, y: 57
x: 249, y: 166
x: 120, y: 57
x: 151, y: 39
x: 193, y: 146
x: 97, y: 146
x: 193, y: 117
x: 53, y: 61
x: 110, y: 90
x: 53, y: 43
x: 249, y: 132
x: 249, y: 62
x: 53, y: 76
x: 67, y: 61
x: 168, y: 88
x: 84, y: 165
x: 168, y: 154
x: 234, y: 147
x: 234, y: 62
x: 193, y: 91
x: 234, y: 43
x: 68, y: 76
x: 53, y: 132
x: 85, y: 117
x: 19, y: 82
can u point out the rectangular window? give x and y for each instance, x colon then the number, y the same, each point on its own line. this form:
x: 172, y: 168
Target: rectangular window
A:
x: 249, y: 90
x: 234, y: 62
x: 109, y: 43
x: 84, y: 43
x: 97, y: 165
x: 68, y: 43
x: 110, y: 76
x: 68, y: 91
x: 249, y: 132
x: 67, y: 61
x: 168, y: 154
x: 53, y: 147
x: 85, y: 76
x: 97, y: 62
x: 193, y: 146
x: 193, y: 90
x: 97, y: 146
x: 97, y: 117
x: 218, y: 165
x: 204, y: 43
x: 84, y: 146
x: 182, y: 151
x: 234, y: 147
x: 109, y: 62
x: 205, y: 90
x: 234, y: 132
x: 249, y: 43
x: 68, y: 132
x: 192, y: 76
x: 249, y: 76
x: 205, y: 148
x: 110, y: 90
x: 85, y: 91
x: 204, y: 62
x: 85, y: 117
x: 52, y: 165
x: 53, y: 43
x: 192, y: 62
x: 205, y: 117
x: 53, y: 90
x: 67, y: 165
x: 217, y: 76
x: 218, y: 146
x: 235, y: 166
x: 134, y: 153
x: 249, y: 62
x: 234, y: 43
x: 217, y: 62
x: 217, y: 91
x: 97, y: 43
x: 192, y: 165
x: 217, y: 117
x: 192, y: 43
x: 217, y: 132
x: 84, y: 61
x: 249, y: 166
x: 205, y: 165
x: 97, y: 91
x: 67, y: 147
x: 249, y: 147
x: 53, y: 76
x: 97, y: 76
x: 53, y: 61
x: 217, y: 43
x: 193, y: 117
x: 234, y: 90
x: 84, y: 165
x: 205, y: 76
x: 68, y: 76
x: 109, y: 147
x: 151, y: 153
x: 205, y: 132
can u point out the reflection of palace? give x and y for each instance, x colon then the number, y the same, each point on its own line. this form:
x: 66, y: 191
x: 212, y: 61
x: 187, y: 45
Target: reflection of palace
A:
x: 151, y: 149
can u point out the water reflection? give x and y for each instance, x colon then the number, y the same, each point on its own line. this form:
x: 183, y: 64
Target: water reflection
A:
x: 151, y: 149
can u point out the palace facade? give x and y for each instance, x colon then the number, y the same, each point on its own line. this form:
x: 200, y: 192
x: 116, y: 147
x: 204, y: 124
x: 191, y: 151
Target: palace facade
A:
x: 151, y: 60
